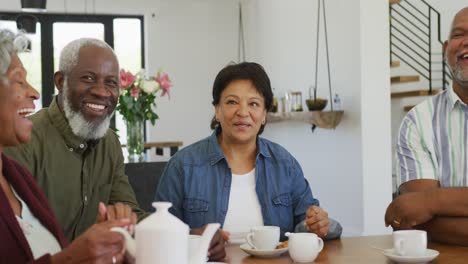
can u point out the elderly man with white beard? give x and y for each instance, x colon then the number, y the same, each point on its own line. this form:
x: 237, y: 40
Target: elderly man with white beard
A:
x: 432, y: 154
x: 74, y: 156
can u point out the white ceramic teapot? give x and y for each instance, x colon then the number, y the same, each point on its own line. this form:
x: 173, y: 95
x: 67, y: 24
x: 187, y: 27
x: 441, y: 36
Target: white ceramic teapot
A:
x: 163, y: 238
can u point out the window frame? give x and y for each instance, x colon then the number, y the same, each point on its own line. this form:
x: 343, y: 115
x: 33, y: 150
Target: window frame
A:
x: 47, y: 21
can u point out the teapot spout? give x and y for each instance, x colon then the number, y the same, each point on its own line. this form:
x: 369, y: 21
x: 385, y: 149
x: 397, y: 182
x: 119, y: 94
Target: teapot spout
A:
x: 199, y: 257
x: 130, y: 243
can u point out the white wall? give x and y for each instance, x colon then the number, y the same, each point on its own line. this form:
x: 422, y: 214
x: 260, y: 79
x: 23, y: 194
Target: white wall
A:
x: 375, y: 113
x: 193, y: 40
x: 330, y: 158
x: 447, y: 9
x: 349, y: 167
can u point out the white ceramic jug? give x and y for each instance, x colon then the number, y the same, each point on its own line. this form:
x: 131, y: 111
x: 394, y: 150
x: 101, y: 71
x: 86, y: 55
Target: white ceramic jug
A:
x: 304, y: 247
x: 163, y: 238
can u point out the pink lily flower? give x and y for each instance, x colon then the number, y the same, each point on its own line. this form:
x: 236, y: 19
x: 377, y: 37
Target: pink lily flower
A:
x: 126, y: 79
x: 164, y: 83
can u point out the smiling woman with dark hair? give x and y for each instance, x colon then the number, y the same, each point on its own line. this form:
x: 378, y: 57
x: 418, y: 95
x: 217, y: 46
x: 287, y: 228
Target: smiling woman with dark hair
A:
x: 237, y: 178
x: 29, y: 231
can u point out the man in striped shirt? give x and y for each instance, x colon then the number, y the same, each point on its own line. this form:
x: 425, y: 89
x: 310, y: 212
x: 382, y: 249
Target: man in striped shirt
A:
x: 432, y: 154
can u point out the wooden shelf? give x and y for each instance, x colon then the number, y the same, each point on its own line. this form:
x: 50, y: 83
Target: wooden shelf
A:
x: 322, y: 119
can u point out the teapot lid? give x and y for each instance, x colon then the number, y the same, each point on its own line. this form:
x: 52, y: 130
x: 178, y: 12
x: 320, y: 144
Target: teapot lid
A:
x: 162, y: 219
x: 162, y: 206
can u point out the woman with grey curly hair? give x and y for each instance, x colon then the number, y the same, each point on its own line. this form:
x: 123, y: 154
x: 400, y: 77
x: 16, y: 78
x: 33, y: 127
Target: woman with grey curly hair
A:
x: 29, y: 231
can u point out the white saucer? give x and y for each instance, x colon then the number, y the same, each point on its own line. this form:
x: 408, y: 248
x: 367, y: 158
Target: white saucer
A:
x: 237, y: 241
x: 428, y: 256
x: 237, y: 238
x: 262, y: 253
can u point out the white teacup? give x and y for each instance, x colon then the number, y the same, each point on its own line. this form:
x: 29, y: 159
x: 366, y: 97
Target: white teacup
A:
x: 410, y: 242
x: 304, y: 247
x: 263, y: 237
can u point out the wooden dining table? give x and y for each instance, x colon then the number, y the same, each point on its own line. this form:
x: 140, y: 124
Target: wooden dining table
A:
x: 362, y: 250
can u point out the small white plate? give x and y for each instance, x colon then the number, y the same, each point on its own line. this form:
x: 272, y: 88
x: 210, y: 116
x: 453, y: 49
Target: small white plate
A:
x: 428, y: 256
x: 262, y: 253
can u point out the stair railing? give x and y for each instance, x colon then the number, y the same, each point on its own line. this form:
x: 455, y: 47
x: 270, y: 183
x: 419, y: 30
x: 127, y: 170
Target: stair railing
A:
x: 412, y: 41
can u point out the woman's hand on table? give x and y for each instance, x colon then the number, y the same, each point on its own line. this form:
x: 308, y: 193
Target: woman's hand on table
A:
x: 226, y: 235
x: 317, y: 221
x: 217, y: 250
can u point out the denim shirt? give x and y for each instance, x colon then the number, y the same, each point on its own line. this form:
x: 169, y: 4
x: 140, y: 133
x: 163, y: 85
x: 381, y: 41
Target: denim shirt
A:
x: 197, y: 181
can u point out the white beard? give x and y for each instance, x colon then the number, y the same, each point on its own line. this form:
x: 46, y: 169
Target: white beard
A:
x: 78, y: 123
x: 459, y: 74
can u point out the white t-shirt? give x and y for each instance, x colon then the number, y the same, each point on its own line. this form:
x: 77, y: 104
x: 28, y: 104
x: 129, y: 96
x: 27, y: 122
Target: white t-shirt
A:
x: 244, y: 210
x: 40, y: 239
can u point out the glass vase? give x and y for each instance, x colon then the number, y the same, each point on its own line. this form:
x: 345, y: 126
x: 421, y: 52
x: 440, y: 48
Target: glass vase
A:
x: 135, y: 141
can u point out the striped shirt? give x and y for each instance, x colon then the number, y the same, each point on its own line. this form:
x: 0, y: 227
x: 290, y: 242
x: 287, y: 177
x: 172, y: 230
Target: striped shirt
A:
x: 432, y: 142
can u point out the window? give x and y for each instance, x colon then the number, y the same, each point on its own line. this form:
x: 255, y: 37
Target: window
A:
x: 54, y: 31
x: 126, y: 47
x: 65, y: 32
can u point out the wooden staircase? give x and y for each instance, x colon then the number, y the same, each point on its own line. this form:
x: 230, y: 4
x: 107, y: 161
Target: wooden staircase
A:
x: 408, y: 107
x: 415, y: 93
x: 404, y: 79
x: 394, y: 64
x: 401, y: 79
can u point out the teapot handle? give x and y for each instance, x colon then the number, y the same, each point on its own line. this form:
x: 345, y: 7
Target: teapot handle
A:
x: 199, y: 256
x: 130, y: 244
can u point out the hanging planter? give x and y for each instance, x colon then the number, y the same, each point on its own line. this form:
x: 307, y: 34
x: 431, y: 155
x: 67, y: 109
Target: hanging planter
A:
x: 328, y: 119
x: 315, y: 104
x: 241, y: 37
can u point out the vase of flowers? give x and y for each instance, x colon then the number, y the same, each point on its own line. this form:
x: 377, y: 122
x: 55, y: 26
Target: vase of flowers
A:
x: 136, y: 105
x: 135, y: 140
